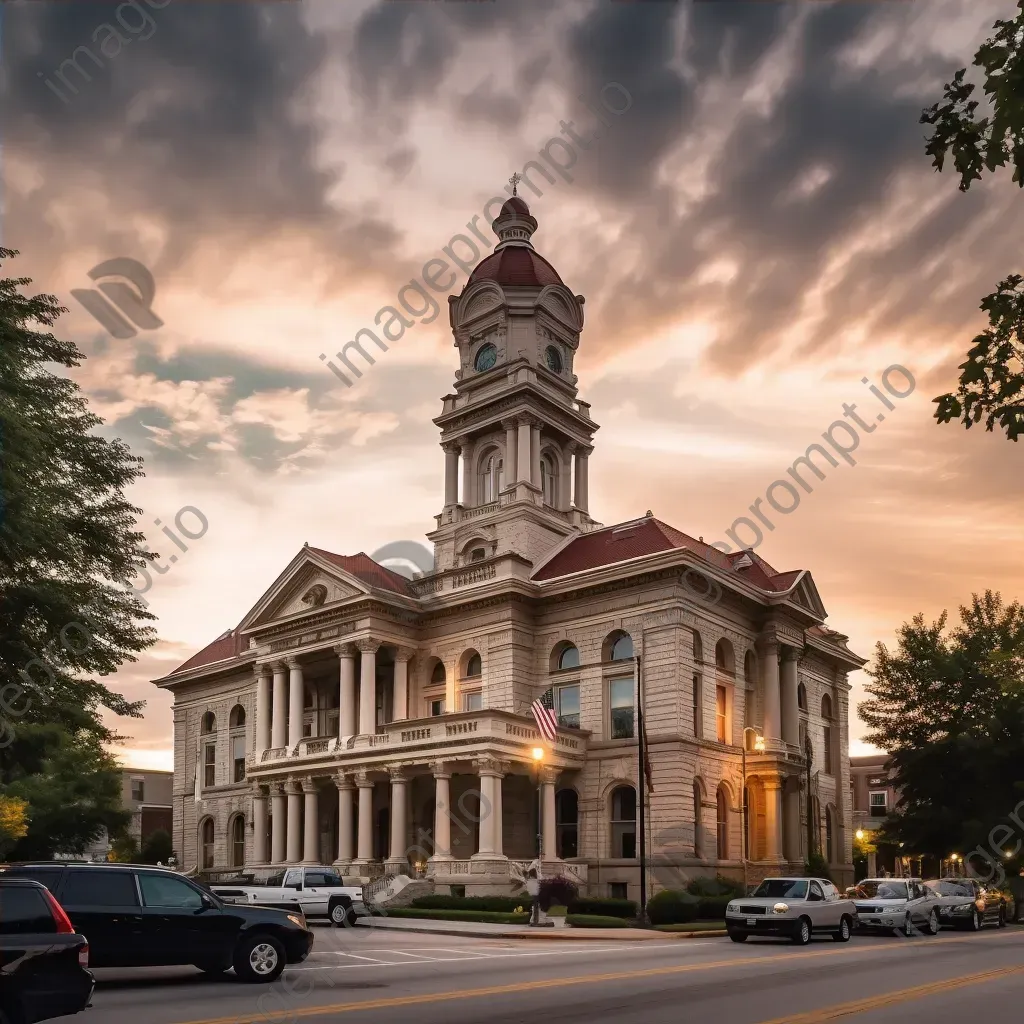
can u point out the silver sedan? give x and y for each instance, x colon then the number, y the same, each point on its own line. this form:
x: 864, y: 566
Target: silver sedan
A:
x: 793, y: 908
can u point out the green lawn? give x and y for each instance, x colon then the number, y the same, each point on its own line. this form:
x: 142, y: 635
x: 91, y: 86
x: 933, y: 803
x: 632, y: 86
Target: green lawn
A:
x: 486, y: 916
x: 692, y: 926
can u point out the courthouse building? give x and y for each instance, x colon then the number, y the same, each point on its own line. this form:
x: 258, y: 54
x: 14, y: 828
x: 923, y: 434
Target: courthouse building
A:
x: 358, y: 717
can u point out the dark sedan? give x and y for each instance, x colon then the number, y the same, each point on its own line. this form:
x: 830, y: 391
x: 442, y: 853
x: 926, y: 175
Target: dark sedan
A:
x: 136, y: 916
x: 43, y: 960
x: 966, y: 903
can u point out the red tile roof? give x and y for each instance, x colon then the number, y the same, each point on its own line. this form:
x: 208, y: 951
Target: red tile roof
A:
x: 515, y: 265
x: 227, y: 645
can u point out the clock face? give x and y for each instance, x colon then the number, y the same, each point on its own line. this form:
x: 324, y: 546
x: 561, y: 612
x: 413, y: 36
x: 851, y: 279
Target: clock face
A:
x: 485, y: 358
x: 554, y: 359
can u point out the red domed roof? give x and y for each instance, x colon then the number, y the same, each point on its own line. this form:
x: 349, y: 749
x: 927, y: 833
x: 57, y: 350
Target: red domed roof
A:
x: 515, y: 265
x: 515, y: 205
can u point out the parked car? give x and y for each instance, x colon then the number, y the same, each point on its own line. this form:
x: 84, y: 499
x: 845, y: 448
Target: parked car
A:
x: 140, y: 916
x: 318, y: 891
x: 966, y: 903
x: 896, y: 904
x: 43, y: 960
x: 793, y: 908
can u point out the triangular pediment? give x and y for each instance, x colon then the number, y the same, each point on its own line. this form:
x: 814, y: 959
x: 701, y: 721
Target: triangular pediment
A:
x: 309, y: 584
x: 805, y: 595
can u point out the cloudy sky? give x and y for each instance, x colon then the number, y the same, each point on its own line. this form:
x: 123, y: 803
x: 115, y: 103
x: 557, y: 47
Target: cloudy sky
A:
x: 757, y: 233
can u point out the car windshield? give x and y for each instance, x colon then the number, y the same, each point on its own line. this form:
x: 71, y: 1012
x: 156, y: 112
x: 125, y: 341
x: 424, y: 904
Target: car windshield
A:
x: 776, y: 888
x: 882, y: 889
x: 949, y: 887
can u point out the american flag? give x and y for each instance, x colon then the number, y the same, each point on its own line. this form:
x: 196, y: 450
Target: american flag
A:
x: 543, y: 709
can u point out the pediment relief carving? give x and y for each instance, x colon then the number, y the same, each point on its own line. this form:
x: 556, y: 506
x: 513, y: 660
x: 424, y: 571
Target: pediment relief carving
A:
x: 307, y: 591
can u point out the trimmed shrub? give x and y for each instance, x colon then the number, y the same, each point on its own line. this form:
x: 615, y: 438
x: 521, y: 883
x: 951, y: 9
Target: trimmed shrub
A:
x: 595, y: 921
x: 557, y: 911
x: 719, y: 886
x: 459, y: 915
x: 604, y: 907
x: 712, y: 908
x: 558, y: 890
x: 817, y: 867
x: 487, y: 904
x: 672, y: 906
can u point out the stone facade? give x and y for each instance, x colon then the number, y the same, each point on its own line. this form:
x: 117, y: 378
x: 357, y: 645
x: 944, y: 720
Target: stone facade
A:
x: 384, y: 724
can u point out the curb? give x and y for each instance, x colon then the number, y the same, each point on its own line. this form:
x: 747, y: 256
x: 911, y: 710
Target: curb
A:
x: 436, y: 931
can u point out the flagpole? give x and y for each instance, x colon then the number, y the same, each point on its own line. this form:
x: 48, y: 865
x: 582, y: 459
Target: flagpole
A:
x: 641, y: 790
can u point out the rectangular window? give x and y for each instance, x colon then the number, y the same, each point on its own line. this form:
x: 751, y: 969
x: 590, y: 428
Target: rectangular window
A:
x: 720, y: 717
x: 878, y: 804
x: 436, y: 707
x: 98, y: 888
x: 473, y: 701
x: 619, y: 890
x: 138, y: 790
x: 210, y: 765
x: 567, y: 706
x: 620, y: 700
x: 24, y: 911
x: 698, y: 701
x: 238, y: 757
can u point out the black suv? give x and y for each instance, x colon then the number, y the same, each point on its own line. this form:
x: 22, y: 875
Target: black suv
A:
x: 42, y: 960
x: 138, y: 916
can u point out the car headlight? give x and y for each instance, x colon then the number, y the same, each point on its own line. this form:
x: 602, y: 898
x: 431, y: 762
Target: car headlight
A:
x: 780, y: 908
x: 298, y: 921
x: 731, y: 908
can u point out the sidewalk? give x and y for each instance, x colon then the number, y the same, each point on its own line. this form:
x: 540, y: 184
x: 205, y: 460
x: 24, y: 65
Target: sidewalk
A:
x: 524, y: 931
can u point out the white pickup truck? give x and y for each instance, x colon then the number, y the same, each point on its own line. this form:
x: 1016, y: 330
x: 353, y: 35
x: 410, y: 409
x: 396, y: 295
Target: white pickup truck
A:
x: 317, y: 891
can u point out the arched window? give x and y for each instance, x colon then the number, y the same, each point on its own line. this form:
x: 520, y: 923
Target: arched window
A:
x: 569, y: 657
x: 723, y: 822
x: 801, y: 696
x: 621, y: 648
x: 237, y: 722
x: 826, y: 714
x: 725, y: 658
x: 549, y: 480
x: 829, y: 836
x: 698, y: 649
x: 474, y: 666
x: 209, y: 723
x: 698, y: 819
x: 567, y: 821
x: 477, y: 554
x: 206, y: 843
x: 437, y: 676
x: 237, y: 841
x: 489, y: 484
x: 623, y: 822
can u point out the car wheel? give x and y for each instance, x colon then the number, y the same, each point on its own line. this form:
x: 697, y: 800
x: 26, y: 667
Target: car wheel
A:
x: 975, y: 925
x: 802, y: 936
x: 259, y: 958
x: 738, y: 936
x: 843, y: 935
x: 342, y: 914
x: 932, y: 927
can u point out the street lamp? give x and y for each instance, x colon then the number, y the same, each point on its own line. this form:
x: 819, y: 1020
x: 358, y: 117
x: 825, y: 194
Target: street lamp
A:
x: 860, y: 833
x: 759, y: 747
x: 533, y: 885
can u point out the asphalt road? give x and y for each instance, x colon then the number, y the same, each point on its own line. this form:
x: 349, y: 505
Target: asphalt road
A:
x: 376, y: 977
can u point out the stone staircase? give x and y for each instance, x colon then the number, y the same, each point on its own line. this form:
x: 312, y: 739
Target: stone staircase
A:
x: 395, y: 891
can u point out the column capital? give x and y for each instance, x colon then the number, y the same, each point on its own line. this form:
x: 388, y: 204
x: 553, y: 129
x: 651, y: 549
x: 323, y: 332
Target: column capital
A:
x: 342, y: 780
x: 510, y: 423
x: 345, y: 650
x: 293, y: 787
x: 257, y: 791
x: 451, y: 447
x: 771, y: 783
x: 293, y: 663
x: 549, y: 776
x: 790, y: 653
x: 440, y: 769
x: 397, y: 772
x: 276, y: 788
x: 368, y: 645
x: 405, y: 653
x: 308, y: 784
x: 569, y: 447
x: 363, y: 780
x: 769, y: 642
x: 490, y: 766
x: 263, y: 671
x: 279, y: 665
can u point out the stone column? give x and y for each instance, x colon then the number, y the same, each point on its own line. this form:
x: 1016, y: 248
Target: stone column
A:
x: 523, y: 451
x: 451, y: 473
x: 535, y: 454
x: 491, y: 844
x: 347, y: 694
x: 790, y: 704
x: 791, y: 830
x: 262, y: 711
x: 279, y: 727
x: 442, y: 820
x: 548, y: 845
x: 773, y: 819
x: 293, y: 851
x: 581, y: 480
x: 278, y: 821
x: 259, y: 825
x: 397, y: 861
x: 565, y: 477
x: 401, y: 695
x: 511, y: 473
x: 311, y: 823
x: 368, y: 686
x: 364, y: 835
x: 772, y: 696
x: 295, y: 703
x: 346, y: 845
x: 468, y: 489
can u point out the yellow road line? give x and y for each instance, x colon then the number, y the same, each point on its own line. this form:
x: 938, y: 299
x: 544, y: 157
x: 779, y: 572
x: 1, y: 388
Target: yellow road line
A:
x: 259, y: 1016
x: 892, y: 998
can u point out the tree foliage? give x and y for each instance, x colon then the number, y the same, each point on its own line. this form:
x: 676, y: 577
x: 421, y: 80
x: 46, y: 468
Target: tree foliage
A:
x: 158, y: 847
x: 948, y: 705
x: 68, y: 546
x: 992, y: 378
x: 13, y: 821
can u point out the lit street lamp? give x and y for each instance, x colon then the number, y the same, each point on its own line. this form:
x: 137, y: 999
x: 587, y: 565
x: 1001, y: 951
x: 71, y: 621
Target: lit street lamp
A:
x: 860, y: 833
x: 759, y: 747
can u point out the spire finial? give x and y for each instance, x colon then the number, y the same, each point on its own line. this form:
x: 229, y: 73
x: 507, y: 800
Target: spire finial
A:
x: 514, y: 181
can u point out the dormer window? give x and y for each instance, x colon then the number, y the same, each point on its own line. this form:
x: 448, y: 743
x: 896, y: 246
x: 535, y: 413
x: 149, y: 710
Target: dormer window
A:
x: 477, y: 555
x: 554, y: 359
x: 486, y: 357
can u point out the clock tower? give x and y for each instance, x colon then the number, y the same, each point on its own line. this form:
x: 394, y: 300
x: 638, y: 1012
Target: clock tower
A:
x: 516, y: 438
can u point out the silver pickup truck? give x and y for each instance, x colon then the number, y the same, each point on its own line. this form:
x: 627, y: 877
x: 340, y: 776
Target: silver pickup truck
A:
x: 318, y: 891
